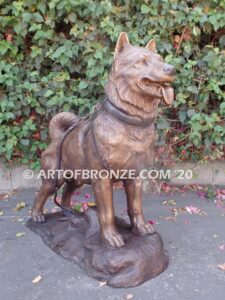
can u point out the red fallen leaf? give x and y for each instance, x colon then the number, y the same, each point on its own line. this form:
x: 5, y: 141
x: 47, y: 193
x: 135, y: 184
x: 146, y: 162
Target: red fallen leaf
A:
x: 201, y: 194
x: 84, y: 205
x: 222, y: 247
x: 220, y: 194
x: 222, y: 267
x: 37, y: 136
x: 8, y: 37
x: 152, y: 222
x: 87, y: 196
x: 33, y: 116
x: 166, y: 188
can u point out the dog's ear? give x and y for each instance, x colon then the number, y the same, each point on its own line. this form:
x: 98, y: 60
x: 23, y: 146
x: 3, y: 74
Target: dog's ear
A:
x: 151, y: 46
x: 122, y: 42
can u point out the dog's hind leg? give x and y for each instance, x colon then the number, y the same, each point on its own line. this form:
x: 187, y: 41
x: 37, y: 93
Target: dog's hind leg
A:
x: 68, y: 189
x: 45, y: 191
x: 133, y: 188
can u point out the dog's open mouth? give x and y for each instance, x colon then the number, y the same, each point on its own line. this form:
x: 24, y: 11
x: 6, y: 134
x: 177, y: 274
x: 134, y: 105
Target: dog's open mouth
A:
x: 159, y: 90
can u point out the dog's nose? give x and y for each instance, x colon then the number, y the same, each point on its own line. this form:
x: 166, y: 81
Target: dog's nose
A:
x: 169, y: 69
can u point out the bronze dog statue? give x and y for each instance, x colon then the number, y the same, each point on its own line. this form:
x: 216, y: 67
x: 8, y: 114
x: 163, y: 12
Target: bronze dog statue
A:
x: 119, y: 135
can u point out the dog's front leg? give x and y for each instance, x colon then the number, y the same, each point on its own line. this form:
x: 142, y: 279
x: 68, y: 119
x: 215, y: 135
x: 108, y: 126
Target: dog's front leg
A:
x: 103, y: 191
x: 133, y: 188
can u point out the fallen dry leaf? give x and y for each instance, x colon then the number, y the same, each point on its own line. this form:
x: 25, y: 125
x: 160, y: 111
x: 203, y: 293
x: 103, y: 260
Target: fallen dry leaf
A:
x: 91, y: 203
x: 19, y: 234
x: 169, y: 218
x: 20, y: 206
x: 222, y: 247
x: 222, y: 267
x: 177, y: 211
x: 220, y: 194
x: 37, y: 279
x: 192, y: 210
x: 6, y: 196
x: 84, y: 205
x: 103, y: 282
x: 129, y: 296
x: 202, y: 213
x: 19, y: 219
x: 169, y: 202
x: 1, y: 213
x: 195, y: 211
x: 118, y: 185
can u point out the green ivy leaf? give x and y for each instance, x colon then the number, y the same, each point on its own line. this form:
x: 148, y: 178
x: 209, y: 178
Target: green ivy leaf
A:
x: 82, y: 85
x: 145, y: 9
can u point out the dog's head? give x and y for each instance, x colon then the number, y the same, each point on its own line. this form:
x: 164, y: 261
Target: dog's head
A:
x: 143, y: 70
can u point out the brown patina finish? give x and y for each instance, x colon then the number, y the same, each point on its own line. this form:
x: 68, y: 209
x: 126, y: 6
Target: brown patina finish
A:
x: 119, y: 135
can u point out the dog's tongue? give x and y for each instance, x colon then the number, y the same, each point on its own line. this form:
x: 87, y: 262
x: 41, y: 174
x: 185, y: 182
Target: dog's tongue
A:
x: 168, y: 94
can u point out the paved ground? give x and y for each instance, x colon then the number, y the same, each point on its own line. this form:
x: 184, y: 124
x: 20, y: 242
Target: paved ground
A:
x: 195, y: 244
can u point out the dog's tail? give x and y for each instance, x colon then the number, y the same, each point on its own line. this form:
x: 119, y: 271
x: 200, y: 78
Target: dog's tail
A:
x: 60, y: 123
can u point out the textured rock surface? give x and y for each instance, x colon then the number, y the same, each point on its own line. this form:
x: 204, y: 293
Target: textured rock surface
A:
x: 76, y: 238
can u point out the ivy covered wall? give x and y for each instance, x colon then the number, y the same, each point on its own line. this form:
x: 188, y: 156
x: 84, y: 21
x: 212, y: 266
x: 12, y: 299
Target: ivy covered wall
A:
x: 55, y: 56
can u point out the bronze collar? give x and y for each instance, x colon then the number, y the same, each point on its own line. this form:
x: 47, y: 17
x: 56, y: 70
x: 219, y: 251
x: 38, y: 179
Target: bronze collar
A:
x: 125, y: 118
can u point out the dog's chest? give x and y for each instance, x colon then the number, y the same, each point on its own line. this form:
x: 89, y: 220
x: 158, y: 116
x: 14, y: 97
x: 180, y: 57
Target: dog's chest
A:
x: 124, y: 146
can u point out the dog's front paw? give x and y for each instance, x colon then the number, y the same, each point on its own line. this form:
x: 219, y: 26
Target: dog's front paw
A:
x: 38, y: 217
x: 112, y: 239
x: 141, y: 226
x: 145, y: 228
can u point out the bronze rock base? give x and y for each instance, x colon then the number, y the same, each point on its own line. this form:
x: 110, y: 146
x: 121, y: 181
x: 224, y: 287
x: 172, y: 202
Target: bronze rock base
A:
x: 76, y: 238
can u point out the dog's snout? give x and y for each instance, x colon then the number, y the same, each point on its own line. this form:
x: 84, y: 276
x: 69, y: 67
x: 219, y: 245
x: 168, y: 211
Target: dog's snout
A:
x: 169, y: 69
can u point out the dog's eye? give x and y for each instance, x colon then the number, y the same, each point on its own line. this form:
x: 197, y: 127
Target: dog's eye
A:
x: 141, y: 61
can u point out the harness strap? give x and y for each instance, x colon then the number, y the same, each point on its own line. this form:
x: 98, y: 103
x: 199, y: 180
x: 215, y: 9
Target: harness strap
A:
x: 66, y: 210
